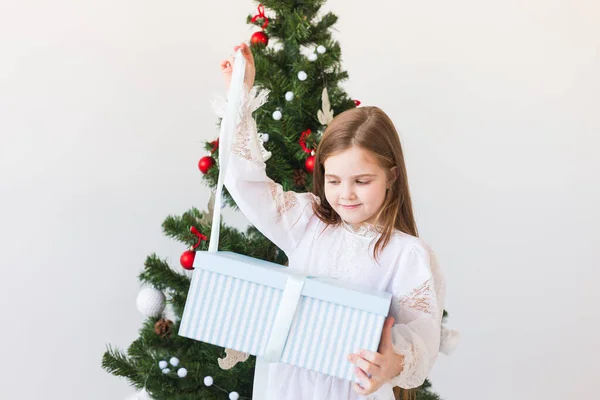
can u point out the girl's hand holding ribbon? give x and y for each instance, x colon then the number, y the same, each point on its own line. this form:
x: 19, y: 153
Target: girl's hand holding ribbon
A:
x: 227, y: 66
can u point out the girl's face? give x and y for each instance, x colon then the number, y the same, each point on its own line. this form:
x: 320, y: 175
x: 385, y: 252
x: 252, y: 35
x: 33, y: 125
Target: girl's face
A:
x: 355, y: 185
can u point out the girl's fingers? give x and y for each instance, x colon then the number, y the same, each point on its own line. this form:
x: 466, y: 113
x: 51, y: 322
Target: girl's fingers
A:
x: 245, y: 51
x: 359, y: 389
x: 227, y: 63
x: 363, y: 388
x: 371, y: 357
x: 367, y: 367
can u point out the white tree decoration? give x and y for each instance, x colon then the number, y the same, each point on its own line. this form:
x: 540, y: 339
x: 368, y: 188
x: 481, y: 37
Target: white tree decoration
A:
x: 326, y: 114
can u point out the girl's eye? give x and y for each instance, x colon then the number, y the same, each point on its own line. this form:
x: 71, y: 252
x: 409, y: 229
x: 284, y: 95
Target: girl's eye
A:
x: 359, y: 182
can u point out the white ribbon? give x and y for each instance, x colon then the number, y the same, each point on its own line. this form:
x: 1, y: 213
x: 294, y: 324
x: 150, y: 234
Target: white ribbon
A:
x: 283, y: 320
x: 228, y: 124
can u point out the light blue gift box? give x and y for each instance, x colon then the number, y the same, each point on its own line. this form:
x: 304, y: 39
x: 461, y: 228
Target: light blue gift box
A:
x: 264, y: 309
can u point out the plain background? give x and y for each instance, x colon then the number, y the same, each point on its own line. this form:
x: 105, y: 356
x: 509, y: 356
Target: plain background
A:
x: 104, y: 109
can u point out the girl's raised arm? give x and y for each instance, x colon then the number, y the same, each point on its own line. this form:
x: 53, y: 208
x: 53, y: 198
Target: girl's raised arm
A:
x: 281, y: 216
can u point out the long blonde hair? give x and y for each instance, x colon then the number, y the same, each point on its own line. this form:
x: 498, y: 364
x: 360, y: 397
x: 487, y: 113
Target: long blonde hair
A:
x: 371, y: 129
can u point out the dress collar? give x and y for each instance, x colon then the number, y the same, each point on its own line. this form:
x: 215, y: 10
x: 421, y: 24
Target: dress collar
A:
x: 365, y: 230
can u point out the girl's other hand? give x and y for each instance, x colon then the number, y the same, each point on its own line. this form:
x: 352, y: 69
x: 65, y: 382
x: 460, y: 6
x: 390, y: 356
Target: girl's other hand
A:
x: 227, y: 66
x: 375, y: 369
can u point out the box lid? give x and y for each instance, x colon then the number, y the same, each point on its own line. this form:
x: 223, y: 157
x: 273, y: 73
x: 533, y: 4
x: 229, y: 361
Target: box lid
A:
x: 274, y: 275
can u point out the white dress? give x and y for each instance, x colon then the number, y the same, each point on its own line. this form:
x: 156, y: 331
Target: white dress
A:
x: 407, y: 267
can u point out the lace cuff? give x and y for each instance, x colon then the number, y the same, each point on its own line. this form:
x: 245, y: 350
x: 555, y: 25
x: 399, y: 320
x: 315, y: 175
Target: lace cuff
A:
x: 415, y: 368
x: 247, y: 142
x: 252, y: 100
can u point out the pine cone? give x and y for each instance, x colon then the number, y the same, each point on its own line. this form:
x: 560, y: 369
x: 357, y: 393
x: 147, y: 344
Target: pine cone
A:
x: 299, y: 177
x: 163, y: 328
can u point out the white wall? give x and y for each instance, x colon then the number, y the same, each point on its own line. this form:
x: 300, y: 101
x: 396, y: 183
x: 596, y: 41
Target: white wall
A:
x: 104, y: 108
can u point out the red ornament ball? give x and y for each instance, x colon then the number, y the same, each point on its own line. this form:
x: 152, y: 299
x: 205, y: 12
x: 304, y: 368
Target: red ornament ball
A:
x: 309, y: 164
x: 206, y: 163
x: 215, y: 145
x: 357, y: 103
x: 259, y: 38
x: 187, y: 259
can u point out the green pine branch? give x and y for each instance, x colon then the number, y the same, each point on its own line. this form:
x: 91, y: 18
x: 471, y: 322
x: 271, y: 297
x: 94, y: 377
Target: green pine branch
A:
x: 424, y: 392
x: 117, y: 363
x: 158, y: 274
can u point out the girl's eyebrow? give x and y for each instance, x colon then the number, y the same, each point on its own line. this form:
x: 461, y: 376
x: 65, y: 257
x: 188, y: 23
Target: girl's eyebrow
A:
x: 355, y: 176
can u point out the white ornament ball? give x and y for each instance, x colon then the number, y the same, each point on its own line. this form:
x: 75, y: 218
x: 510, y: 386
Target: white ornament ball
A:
x: 277, y: 115
x: 289, y: 96
x: 321, y: 49
x: 312, y: 57
x: 174, y: 361
x: 234, y: 396
x: 264, y: 137
x: 162, y: 364
x: 208, y: 380
x: 182, y: 372
x: 166, y: 370
x: 302, y: 75
x: 150, y: 302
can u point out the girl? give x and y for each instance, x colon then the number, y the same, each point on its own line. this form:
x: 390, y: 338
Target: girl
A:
x: 356, y: 225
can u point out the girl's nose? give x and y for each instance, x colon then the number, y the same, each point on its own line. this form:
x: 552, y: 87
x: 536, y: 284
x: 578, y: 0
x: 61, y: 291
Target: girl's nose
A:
x: 348, y: 192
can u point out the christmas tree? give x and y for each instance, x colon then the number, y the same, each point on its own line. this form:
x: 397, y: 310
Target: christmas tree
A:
x: 297, y: 59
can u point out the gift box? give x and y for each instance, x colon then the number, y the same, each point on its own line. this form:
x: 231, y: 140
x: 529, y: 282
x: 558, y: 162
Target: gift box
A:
x: 267, y: 310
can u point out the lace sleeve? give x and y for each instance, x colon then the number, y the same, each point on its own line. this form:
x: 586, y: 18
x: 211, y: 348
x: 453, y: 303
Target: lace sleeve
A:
x: 418, y: 297
x: 282, y: 216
